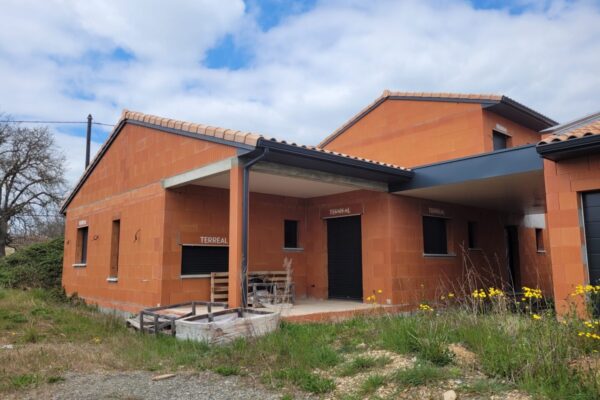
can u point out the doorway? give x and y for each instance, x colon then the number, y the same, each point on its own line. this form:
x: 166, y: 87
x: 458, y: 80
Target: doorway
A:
x: 344, y: 258
x: 512, y: 255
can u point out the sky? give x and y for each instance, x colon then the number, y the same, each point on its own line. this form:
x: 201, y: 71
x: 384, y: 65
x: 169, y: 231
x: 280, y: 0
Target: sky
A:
x: 288, y: 69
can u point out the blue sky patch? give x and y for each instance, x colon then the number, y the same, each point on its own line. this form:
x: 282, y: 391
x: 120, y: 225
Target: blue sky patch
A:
x: 227, y: 54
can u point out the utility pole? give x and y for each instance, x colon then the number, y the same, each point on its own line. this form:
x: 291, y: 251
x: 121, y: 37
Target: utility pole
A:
x: 88, y: 140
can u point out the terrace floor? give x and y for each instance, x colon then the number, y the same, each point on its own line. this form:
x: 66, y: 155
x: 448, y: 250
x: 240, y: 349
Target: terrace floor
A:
x: 311, y: 310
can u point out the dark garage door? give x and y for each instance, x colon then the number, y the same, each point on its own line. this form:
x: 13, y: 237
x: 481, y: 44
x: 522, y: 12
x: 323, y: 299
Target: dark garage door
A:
x: 591, y: 212
x: 344, y: 258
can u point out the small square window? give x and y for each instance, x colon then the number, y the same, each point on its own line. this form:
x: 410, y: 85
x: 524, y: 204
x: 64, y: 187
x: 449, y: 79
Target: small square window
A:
x: 539, y: 240
x: 472, y: 235
x: 500, y: 141
x: 81, y: 245
x: 435, y: 236
x: 290, y: 234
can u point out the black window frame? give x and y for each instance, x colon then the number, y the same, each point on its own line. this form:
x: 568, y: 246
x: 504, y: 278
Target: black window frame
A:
x: 472, y: 238
x: 290, y: 234
x: 190, y: 270
x: 504, y: 137
x: 435, y: 235
x: 539, y: 240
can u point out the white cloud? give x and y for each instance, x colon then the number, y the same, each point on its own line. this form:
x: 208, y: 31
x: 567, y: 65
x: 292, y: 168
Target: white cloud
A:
x: 307, y: 75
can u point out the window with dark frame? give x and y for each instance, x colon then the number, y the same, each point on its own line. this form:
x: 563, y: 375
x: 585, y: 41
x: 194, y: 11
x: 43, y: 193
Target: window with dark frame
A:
x: 114, y: 248
x: 81, y: 245
x: 435, y: 235
x: 472, y: 234
x: 500, y: 141
x: 290, y: 234
x: 539, y: 240
x: 202, y: 260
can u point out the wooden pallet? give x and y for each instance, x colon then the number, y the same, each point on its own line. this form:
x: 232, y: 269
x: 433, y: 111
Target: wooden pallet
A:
x: 219, y: 283
x: 219, y: 286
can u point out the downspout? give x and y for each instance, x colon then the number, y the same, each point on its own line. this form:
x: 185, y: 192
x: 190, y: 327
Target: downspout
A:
x: 245, y: 208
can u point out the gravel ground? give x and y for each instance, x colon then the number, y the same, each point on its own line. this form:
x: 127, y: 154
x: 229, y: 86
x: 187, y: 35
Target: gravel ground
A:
x: 139, y: 386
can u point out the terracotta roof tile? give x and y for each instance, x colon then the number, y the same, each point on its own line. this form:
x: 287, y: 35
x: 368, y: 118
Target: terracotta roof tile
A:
x: 593, y: 128
x: 229, y: 134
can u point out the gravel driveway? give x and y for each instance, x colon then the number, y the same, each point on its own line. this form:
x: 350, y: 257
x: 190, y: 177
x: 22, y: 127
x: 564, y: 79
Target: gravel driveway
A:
x: 139, y: 386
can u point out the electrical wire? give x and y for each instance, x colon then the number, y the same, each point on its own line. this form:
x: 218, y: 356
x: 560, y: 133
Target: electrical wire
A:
x: 52, y: 122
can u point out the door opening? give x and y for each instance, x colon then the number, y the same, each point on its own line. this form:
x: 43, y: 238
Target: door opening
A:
x: 512, y: 255
x: 344, y: 258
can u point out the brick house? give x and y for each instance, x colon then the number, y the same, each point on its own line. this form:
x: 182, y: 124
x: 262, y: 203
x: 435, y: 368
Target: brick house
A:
x: 398, y: 199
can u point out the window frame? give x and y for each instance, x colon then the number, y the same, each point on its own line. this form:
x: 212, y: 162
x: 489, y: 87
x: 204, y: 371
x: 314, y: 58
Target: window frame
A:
x: 472, y: 235
x: 540, y: 246
x: 115, y: 247
x: 82, y: 246
x: 204, y: 274
x: 507, y: 143
x: 446, y: 236
x: 286, y: 244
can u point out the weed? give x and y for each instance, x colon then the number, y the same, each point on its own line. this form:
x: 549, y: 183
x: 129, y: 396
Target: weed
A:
x: 371, y: 384
x: 423, y: 373
x: 24, y: 381
x: 227, y: 370
x: 361, y: 364
x: 305, y: 380
x: 55, y: 379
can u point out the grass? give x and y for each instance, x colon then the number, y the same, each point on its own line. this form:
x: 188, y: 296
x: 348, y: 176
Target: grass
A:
x: 361, y: 364
x: 514, y: 351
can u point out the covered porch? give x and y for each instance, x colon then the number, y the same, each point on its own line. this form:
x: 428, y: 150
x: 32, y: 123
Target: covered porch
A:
x: 245, y: 204
x: 509, y: 182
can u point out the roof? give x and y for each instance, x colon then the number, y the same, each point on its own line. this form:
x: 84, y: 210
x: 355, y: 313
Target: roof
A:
x: 500, y: 104
x: 573, y: 139
x: 244, y: 140
x: 585, y: 126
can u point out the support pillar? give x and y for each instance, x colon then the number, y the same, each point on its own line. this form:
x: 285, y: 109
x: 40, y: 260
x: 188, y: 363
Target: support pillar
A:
x: 236, y: 196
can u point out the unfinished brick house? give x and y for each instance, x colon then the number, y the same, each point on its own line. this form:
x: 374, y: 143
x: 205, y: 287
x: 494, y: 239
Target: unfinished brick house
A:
x: 399, y: 199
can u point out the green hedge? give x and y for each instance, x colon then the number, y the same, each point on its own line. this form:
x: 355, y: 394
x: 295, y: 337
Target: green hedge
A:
x: 36, y: 266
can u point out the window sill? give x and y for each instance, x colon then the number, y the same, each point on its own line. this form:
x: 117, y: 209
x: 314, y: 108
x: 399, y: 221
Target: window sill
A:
x: 439, y: 255
x: 112, y: 279
x: 195, y: 276
x: 541, y: 251
x: 80, y: 265
x: 293, y: 249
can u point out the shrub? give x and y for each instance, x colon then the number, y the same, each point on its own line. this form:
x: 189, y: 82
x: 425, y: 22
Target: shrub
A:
x: 36, y: 266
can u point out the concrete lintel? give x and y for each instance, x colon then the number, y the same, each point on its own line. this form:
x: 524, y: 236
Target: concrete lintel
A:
x: 188, y: 177
x: 319, y: 176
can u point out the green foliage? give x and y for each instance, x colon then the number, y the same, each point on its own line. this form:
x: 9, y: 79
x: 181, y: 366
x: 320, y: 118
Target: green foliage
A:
x: 227, y: 370
x: 36, y: 266
x: 24, y: 381
x: 306, y: 380
x: 423, y: 373
x: 371, y: 384
x: 361, y: 364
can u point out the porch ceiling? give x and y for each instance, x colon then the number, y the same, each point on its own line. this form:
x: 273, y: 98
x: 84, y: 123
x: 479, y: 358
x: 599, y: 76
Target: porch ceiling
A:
x: 276, y: 179
x: 517, y: 193
x: 509, y: 180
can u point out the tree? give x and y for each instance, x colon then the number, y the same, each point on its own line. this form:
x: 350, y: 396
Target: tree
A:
x: 32, y: 182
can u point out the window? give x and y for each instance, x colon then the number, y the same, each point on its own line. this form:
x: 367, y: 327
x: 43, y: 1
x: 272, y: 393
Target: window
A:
x: 290, y: 234
x: 202, y: 260
x: 472, y: 235
x: 81, y: 246
x: 539, y: 240
x: 114, y: 248
x: 500, y: 141
x: 435, y: 238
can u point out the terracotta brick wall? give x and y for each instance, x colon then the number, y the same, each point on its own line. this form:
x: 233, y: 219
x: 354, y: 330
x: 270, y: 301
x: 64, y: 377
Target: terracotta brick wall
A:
x: 126, y: 184
x: 565, y: 181
x: 519, y: 135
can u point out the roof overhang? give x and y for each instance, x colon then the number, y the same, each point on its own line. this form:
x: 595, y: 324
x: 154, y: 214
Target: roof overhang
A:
x: 508, y: 180
x: 570, y: 148
x: 307, y: 158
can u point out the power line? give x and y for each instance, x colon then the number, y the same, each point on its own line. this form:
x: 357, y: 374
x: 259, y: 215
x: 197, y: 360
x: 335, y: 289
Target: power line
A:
x: 52, y: 122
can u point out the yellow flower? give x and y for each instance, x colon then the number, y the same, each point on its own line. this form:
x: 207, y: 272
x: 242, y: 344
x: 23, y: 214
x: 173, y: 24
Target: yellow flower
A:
x: 443, y: 298
x: 379, y: 291
x: 536, y: 316
x: 451, y: 295
x: 425, y: 307
x: 97, y: 340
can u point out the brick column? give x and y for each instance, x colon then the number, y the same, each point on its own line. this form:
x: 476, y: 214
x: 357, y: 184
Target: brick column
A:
x: 235, y: 234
